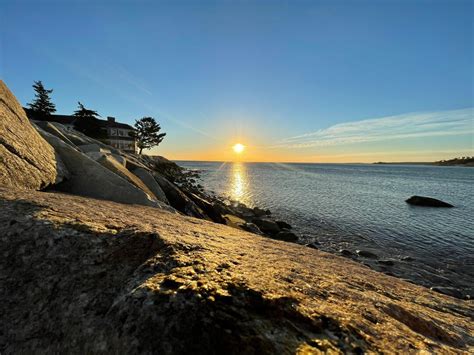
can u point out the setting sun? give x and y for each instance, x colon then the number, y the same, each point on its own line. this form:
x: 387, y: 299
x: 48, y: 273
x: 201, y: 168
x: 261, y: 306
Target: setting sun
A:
x: 238, y: 148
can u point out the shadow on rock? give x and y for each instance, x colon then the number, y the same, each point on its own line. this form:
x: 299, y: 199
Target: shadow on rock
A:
x: 75, y: 288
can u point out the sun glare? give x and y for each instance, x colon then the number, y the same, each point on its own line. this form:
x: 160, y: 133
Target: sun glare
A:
x: 238, y: 148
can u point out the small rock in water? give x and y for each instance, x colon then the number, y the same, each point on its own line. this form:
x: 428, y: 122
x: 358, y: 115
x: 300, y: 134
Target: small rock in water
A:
x: 259, y: 212
x: 345, y: 252
x: 286, y: 236
x: 427, y: 202
x: 366, y: 254
x: 407, y: 258
x: 450, y: 291
x: 283, y: 224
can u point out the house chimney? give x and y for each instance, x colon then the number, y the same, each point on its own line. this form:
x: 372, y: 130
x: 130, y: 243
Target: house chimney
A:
x: 110, y: 119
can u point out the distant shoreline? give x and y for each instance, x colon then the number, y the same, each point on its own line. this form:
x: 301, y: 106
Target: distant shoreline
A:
x: 437, y: 163
x: 466, y: 161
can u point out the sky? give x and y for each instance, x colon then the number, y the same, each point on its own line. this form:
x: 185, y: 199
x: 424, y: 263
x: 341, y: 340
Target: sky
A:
x: 301, y: 81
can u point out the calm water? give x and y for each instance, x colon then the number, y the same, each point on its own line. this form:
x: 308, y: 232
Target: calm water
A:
x: 363, y: 207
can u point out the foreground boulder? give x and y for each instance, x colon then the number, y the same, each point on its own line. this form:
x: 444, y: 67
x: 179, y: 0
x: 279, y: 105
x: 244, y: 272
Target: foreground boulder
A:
x: 88, y: 276
x: 427, y: 202
x: 26, y: 159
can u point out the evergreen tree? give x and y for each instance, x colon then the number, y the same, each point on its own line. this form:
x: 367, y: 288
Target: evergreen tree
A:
x: 42, y: 104
x: 88, y: 123
x: 146, y: 133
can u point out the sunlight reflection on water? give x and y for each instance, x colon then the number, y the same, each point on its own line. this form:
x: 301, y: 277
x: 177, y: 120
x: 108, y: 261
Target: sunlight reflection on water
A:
x: 344, y: 206
x: 238, y: 183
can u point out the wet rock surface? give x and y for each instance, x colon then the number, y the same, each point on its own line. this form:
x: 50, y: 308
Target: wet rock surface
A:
x: 427, y: 202
x: 366, y: 254
x: 86, y: 276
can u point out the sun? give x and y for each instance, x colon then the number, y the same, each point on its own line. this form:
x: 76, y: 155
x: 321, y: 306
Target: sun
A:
x: 238, y: 148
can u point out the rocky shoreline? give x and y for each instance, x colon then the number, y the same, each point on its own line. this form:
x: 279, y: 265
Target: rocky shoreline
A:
x: 90, y: 276
x: 105, y: 251
x: 262, y: 222
x: 88, y: 167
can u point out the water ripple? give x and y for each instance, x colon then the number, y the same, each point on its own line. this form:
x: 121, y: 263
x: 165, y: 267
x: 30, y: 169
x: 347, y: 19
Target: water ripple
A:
x: 354, y: 205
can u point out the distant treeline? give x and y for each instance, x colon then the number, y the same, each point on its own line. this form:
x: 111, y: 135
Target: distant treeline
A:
x: 469, y: 161
x: 465, y: 161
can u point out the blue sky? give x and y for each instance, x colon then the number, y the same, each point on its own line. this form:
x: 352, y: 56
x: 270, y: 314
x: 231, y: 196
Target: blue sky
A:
x: 270, y: 74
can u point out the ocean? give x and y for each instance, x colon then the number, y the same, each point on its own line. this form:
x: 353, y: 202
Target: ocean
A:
x: 362, y: 207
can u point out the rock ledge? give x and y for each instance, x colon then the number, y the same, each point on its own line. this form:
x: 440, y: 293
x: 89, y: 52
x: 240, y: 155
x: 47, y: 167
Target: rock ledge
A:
x: 86, y: 276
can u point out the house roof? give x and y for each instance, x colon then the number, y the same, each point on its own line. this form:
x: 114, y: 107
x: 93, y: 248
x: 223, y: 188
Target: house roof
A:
x: 115, y: 124
x: 64, y: 119
x: 69, y: 119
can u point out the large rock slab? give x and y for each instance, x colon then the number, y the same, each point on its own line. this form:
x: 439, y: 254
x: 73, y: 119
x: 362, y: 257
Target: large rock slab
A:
x: 113, y: 165
x: 56, y: 129
x: 89, y: 178
x: 93, y: 148
x: 86, y: 276
x: 73, y: 137
x: 26, y: 159
x: 147, y: 178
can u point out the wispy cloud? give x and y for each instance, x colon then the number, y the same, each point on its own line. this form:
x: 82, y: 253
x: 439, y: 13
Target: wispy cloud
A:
x: 411, y: 125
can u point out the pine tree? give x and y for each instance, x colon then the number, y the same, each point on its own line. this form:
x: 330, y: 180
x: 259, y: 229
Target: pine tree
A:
x: 42, y: 104
x: 146, y: 133
x: 83, y: 112
x: 88, y: 123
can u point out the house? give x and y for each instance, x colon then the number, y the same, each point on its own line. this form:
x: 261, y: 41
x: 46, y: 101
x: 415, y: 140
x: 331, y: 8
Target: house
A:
x: 118, y: 134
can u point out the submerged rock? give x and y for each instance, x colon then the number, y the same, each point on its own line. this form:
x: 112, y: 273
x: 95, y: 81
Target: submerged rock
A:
x: 366, y: 254
x: 80, y: 275
x: 427, y: 202
x: 283, y: 224
x: 286, y: 236
x: 345, y: 252
x: 386, y: 262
